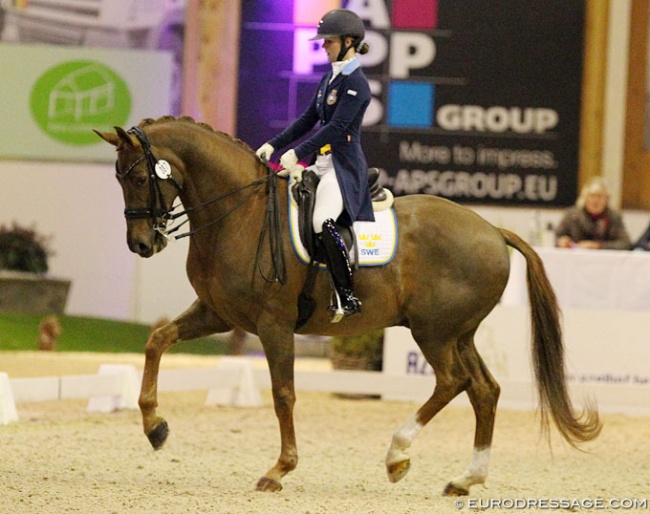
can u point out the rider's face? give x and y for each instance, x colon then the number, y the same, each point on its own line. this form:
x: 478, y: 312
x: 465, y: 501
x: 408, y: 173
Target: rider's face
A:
x: 332, y: 46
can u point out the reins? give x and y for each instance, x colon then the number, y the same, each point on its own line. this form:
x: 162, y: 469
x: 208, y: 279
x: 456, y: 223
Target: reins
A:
x: 272, y: 224
x: 259, y: 182
x: 272, y: 221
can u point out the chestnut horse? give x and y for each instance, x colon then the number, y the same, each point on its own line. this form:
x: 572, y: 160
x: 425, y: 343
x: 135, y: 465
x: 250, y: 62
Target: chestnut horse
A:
x: 448, y: 273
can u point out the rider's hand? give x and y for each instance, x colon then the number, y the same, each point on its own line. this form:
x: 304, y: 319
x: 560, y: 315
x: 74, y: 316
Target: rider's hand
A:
x: 296, y: 173
x: 289, y: 161
x: 265, y: 151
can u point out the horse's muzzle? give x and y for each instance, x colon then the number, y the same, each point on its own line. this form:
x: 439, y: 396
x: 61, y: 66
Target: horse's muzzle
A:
x: 142, y: 248
x: 146, y: 243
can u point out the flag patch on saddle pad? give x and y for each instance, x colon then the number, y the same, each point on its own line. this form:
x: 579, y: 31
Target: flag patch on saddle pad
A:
x: 377, y: 240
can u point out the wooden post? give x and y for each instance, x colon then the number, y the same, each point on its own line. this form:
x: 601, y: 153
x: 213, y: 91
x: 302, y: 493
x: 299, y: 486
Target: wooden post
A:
x: 636, y: 167
x: 211, y: 56
x: 593, y: 90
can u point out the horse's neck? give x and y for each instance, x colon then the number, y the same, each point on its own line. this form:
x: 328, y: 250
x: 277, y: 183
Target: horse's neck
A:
x: 221, y: 189
x: 216, y: 166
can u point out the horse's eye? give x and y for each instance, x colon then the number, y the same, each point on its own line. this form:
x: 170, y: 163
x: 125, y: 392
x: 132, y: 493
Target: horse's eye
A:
x: 140, y: 180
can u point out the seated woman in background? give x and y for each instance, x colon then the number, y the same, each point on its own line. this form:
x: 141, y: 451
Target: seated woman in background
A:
x: 591, y: 223
x: 643, y: 243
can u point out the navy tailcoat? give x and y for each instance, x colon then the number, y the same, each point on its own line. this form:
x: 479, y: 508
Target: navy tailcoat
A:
x: 338, y: 108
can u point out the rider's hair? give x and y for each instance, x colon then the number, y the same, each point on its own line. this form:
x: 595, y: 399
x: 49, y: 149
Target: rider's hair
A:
x: 362, y: 48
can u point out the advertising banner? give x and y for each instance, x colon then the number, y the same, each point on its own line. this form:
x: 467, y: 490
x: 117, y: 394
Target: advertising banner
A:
x: 69, y: 68
x: 616, y: 381
x: 50, y: 107
x: 478, y: 102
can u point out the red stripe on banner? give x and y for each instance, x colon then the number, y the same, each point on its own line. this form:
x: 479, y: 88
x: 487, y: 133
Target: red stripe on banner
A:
x: 415, y: 14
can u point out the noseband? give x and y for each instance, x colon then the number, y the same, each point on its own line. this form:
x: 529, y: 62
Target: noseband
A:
x: 158, y: 170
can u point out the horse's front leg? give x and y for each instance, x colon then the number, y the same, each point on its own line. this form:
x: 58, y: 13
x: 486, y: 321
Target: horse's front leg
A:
x: 197, y: 321
x: 279, y: 348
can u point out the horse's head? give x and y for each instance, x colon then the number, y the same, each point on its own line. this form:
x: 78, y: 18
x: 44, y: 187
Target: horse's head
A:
x: 149, y: 185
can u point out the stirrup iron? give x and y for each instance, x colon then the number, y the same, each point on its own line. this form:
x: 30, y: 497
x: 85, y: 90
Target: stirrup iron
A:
x: 338, y: 311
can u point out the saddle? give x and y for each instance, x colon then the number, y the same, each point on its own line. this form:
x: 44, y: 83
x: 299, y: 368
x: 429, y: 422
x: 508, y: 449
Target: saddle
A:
x: 304, y: 194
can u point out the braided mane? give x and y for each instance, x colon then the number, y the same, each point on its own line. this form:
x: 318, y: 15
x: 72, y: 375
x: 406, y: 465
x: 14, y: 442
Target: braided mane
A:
x: 188, y: 119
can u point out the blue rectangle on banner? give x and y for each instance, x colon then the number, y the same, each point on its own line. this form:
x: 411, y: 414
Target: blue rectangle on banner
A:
x: 410, y: 104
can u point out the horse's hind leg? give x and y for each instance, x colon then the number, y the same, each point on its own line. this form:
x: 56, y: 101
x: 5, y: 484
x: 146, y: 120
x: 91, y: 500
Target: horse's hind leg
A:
x: 451, y: 379
x: 197, y: 321
x: 483, y: 392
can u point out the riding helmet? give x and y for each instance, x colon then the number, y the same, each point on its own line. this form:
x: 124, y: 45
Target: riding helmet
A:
x: 340, y: 22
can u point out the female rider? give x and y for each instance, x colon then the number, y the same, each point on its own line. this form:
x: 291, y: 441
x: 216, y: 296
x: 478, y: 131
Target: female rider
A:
x: 338, y: 106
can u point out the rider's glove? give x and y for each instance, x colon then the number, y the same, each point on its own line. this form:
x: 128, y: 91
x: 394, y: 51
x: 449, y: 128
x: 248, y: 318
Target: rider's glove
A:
x: 289, y: 161
x: 265, y: 151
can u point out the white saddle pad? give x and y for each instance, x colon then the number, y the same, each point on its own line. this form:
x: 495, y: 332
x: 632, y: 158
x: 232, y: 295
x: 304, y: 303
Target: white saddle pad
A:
x: 377, y: 240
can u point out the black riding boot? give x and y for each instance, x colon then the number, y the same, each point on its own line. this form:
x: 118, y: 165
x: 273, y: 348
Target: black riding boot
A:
x: 344, y: 302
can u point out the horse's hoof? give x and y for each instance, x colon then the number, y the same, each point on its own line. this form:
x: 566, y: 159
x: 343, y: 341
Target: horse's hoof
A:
x: 158, y: 435
x: 453, y: 490
x: 268, y: 485
x: 398, y: 470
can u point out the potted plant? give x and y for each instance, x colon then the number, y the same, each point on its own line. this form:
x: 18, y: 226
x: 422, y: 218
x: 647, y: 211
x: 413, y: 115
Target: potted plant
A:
x: 358, y: 352
x: 363, y: 351
x: 24, y: 284
x: 22, y: 249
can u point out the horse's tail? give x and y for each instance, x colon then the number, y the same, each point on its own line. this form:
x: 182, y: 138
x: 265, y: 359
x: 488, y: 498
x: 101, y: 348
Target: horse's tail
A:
x: 548, y: 354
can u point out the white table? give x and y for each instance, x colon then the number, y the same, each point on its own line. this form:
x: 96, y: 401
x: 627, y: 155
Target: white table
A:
x: 587, y: 279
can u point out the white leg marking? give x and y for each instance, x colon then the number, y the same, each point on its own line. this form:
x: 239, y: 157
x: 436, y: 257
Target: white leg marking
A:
x: 402, y: 439
x: 477, y: 471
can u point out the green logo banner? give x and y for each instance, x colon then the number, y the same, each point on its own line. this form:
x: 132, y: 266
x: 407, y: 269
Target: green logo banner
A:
x: 72, y: 98
x: 53, y: 97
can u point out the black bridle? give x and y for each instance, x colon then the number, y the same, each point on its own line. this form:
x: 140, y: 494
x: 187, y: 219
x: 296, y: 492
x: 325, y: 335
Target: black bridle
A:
x: 157, y: 210
x: 158, y: 207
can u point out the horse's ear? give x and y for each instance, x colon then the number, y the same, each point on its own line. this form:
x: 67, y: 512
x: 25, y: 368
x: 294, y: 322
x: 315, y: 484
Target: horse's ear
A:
x: 108, y: 137
x: 124, y: 137
x: 120, y: 139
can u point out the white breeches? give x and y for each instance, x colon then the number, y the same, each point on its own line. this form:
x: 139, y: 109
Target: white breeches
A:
x: 329, y: 201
